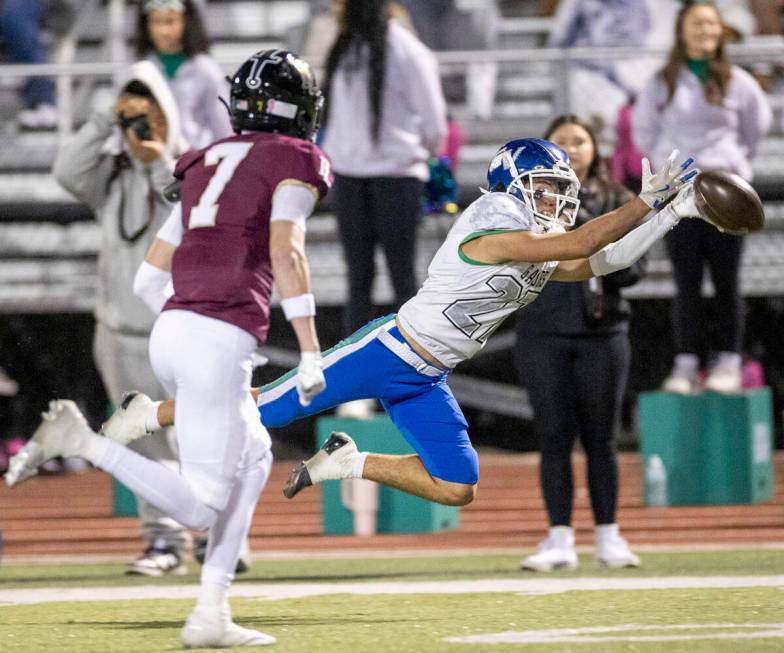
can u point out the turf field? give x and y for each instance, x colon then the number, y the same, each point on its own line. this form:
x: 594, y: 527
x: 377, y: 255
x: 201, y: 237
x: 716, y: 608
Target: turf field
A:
x: 684, y: 601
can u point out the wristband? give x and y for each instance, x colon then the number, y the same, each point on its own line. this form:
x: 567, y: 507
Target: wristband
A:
x: 299, y: 306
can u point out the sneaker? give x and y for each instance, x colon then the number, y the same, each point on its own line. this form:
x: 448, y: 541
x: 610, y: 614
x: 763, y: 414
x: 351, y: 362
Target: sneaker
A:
x: 357, y: 409
x: 62, y: 432
x: 157, y: 562
x: 335, y: 460
x: 43, y: 117
x: 129, y: 421
x: 612, y: 550
x: 215, y: 629
x: 726, y: 375
x: 243, y: 563
x: 554, y: 552
x: 683, y: 376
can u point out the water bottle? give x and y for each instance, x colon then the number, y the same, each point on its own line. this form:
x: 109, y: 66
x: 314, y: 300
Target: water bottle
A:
x: 656, y: 482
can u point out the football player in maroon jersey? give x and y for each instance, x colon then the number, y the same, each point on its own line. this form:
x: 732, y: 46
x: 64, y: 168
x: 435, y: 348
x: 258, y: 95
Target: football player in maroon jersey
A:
x: 239, y: 223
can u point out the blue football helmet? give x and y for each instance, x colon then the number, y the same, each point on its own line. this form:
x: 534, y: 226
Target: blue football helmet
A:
x: 525, y: 168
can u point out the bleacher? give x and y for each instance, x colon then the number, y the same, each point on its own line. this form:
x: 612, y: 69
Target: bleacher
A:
x: 48, y: 242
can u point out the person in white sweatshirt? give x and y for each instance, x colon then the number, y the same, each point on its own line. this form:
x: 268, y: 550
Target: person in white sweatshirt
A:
x: 386, y: 115
x: 702, y: 104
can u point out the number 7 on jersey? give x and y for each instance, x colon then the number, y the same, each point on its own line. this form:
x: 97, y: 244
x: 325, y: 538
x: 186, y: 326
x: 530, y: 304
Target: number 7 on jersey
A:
x: 227, y: 156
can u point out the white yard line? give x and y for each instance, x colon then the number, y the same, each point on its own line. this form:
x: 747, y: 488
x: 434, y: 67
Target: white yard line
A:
x: 274, y: 592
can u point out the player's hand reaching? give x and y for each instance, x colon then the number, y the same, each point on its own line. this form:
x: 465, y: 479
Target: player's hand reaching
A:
x: 683, y: 204
x: 658, y: 188
x: 310, y: 377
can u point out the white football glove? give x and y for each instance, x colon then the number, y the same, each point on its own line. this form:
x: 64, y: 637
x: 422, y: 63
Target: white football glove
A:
x: 131, y: 419
x: 683, y: 204
x: 658, y: 188
x: 310, y: 377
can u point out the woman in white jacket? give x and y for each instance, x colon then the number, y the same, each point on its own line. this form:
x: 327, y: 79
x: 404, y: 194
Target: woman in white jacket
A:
x: 702, y: 104
x: 386, y: 115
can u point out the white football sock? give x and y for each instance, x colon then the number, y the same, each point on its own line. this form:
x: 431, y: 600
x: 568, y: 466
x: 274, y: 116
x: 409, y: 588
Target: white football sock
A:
x: 358, y: 465
x: 231, y: 527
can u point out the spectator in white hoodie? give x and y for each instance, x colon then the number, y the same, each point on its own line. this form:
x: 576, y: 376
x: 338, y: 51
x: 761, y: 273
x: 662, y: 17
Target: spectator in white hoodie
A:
x: 703, y: 104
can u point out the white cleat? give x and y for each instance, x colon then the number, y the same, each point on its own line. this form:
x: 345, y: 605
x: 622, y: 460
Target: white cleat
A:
x: 612, y: 550
x: 129, y: 421
x: 335, y: 460
x: 62, y: 432
x: 216, y: 630
x: 556, y: 551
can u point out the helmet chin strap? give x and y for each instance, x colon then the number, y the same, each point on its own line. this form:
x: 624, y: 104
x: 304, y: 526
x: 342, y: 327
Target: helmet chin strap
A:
x: 228, y: 110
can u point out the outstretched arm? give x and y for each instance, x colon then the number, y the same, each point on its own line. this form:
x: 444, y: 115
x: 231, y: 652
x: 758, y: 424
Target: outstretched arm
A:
x: 589, y: 238
x: 628, y: 250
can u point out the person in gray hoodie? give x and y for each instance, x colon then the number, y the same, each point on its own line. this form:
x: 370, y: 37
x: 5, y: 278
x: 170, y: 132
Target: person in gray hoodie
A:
x: 118, y: 164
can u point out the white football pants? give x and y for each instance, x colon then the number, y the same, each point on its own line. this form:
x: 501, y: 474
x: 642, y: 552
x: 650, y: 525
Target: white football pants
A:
x: 225, y: 452
x: 206, y: 365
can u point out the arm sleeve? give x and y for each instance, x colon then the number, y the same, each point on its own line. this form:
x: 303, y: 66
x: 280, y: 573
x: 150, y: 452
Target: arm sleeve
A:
x: 172, y: 229
x: 756, y: 116
x: 427, y: 99
x: 153, y: 286
x: 626, y: 251
x: 80, y: 166
x: 293, y: 201
x: 646, y: 118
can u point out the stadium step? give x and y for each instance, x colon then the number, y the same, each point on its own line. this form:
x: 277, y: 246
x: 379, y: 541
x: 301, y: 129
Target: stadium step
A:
x: 72, y: 515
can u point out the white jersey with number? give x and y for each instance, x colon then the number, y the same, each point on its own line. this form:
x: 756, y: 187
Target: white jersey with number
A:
x: 463, y: 301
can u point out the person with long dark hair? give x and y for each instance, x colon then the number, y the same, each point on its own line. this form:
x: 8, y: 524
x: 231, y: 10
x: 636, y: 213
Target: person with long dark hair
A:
x: 701, y: 103
x: 573, y: 355
x: 171, y: 34
x: 385, y: 116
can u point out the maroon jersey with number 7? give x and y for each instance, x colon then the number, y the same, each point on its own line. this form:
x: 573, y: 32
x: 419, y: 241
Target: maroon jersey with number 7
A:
x: 222, y: 266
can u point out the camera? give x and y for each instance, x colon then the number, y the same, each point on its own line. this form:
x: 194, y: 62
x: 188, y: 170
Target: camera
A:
x: 139, y: 124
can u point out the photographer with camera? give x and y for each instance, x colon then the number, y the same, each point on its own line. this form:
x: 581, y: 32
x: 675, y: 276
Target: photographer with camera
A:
x: 118, y: 164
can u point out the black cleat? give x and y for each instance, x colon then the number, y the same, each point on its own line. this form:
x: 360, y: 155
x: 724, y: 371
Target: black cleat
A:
x: 333, y: 461
x: 298, y: 479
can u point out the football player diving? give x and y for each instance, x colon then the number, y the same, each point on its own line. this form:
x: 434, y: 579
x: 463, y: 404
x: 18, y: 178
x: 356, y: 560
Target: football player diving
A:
x: 497, y: 257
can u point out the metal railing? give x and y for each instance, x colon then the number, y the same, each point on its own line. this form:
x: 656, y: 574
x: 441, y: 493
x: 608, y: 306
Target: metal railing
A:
x: 767, y: 50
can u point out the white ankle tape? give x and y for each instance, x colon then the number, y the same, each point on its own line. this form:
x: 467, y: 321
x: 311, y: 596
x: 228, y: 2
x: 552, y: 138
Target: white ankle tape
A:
x: 359, y: 464
x: 152, y: 424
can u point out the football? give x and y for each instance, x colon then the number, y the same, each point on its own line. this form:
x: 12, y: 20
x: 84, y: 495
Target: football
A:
x: 728, y: 202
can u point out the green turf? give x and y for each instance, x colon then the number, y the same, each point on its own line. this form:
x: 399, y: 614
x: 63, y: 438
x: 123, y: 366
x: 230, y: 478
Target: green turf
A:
x: 461, y: 567
x: 407, y: 623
